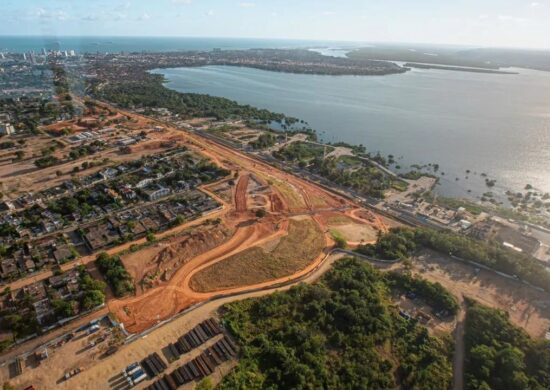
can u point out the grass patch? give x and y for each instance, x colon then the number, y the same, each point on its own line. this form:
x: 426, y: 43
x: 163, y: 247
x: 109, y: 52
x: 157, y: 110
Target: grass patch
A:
x: 399, y: 185
x: 294, y: 252
x: 290, y: 194
x: 339, y: 220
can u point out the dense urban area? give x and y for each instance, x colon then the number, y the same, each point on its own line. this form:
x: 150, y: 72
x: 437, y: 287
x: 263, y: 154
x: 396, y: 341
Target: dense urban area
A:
x: 156, y: 239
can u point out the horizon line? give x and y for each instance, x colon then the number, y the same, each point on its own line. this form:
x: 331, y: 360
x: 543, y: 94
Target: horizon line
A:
x: 463, y: 45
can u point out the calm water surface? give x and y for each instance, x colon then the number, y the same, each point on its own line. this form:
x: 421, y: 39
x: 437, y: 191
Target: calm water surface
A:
x: 496, y: 124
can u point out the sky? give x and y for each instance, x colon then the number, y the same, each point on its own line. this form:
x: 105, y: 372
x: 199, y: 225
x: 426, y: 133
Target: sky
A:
x: 497, y: 23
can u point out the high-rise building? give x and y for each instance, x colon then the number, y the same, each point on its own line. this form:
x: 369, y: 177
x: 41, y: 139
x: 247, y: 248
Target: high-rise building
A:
x: 44, y: 51
x: 72, y: 53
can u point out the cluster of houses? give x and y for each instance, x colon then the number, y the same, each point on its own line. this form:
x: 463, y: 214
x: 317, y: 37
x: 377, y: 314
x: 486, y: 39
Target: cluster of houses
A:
x: 103, y: 209
x: 34, y: 255
x: 35, y: 300
x: 137, y: 222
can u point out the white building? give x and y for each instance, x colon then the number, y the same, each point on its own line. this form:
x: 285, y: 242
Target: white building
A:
x: 6, y: 129
x: 156, y: 191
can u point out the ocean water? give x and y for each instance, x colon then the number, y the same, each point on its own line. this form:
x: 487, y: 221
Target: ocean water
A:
x: 493, y: 124
x: 20, y: 44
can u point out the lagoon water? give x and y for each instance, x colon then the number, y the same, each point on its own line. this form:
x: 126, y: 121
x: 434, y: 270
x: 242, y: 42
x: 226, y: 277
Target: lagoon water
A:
x: 498, y: 124
x: 494, y: 124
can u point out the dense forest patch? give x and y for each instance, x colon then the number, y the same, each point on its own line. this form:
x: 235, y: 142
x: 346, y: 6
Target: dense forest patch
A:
x: 501, y: 356
x: 340, y: 333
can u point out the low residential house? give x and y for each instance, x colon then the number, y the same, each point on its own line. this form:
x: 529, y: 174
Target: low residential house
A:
x: 112, y: 193
x: 127, y: 193
x: 149, y: 224
x: 8, y: 268
x: 138, y: 229
x: 44, y: 311
x: 155, y: 192
x: 144, y: 182
x: 62, y: 253
x: 108, y: 173
x: 27, y: 264
x: 6, y: 129
x: 37, y: 291
x: 7, y: 206
x: 57, y: 281
x: 100, y: 236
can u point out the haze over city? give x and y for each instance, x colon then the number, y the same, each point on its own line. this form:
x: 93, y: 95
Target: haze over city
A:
x: 504, y: 23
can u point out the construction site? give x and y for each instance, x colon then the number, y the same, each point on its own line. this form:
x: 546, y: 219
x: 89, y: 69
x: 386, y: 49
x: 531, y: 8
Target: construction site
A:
x: 272, y: 230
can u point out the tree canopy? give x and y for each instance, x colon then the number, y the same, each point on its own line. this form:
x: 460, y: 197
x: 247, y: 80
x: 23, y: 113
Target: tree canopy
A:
x: 340, y: 333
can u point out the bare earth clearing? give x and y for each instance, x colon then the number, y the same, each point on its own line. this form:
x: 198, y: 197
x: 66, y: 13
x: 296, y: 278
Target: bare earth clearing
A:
x: 528, y: 308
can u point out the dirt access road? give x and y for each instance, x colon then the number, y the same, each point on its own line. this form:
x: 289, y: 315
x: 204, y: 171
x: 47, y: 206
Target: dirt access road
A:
x: 458, y: 357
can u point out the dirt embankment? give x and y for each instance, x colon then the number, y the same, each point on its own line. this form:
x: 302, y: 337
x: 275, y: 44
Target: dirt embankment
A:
x: 156, y: 265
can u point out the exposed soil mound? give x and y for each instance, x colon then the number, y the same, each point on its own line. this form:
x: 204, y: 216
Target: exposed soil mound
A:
x: 292, y: 253
x: 157, y: 265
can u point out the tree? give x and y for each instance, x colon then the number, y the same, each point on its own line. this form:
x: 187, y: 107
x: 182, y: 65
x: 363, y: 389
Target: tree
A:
x: 19, y: 154
x: 340, y: 242
x: 180, y: 219
x: 92, y: 299
x: 62, y: 309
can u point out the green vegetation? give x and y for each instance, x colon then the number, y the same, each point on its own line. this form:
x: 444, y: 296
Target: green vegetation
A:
x: 352, y: 172
x: 204, y: 384
x: 116, y: 275
x: 22, y: 323
x: 148, y: 91
x: 46, y: 161
x: 264, y: 141
x: 81, y: 202
x: 500, y: 356
x: 339, y: 240
x: 86, y: 150
x: 434, y: 294
x: 340, y: 333
x: 301, y: 152
x: 402, y: 242
x: 7, y: 144
x: 397, y: 244
x: 93, y: 290
x: 260, y: 213
x: 8, y: 230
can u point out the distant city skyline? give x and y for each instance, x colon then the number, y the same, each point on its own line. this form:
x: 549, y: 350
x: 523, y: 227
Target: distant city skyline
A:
x: 505, y: 23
